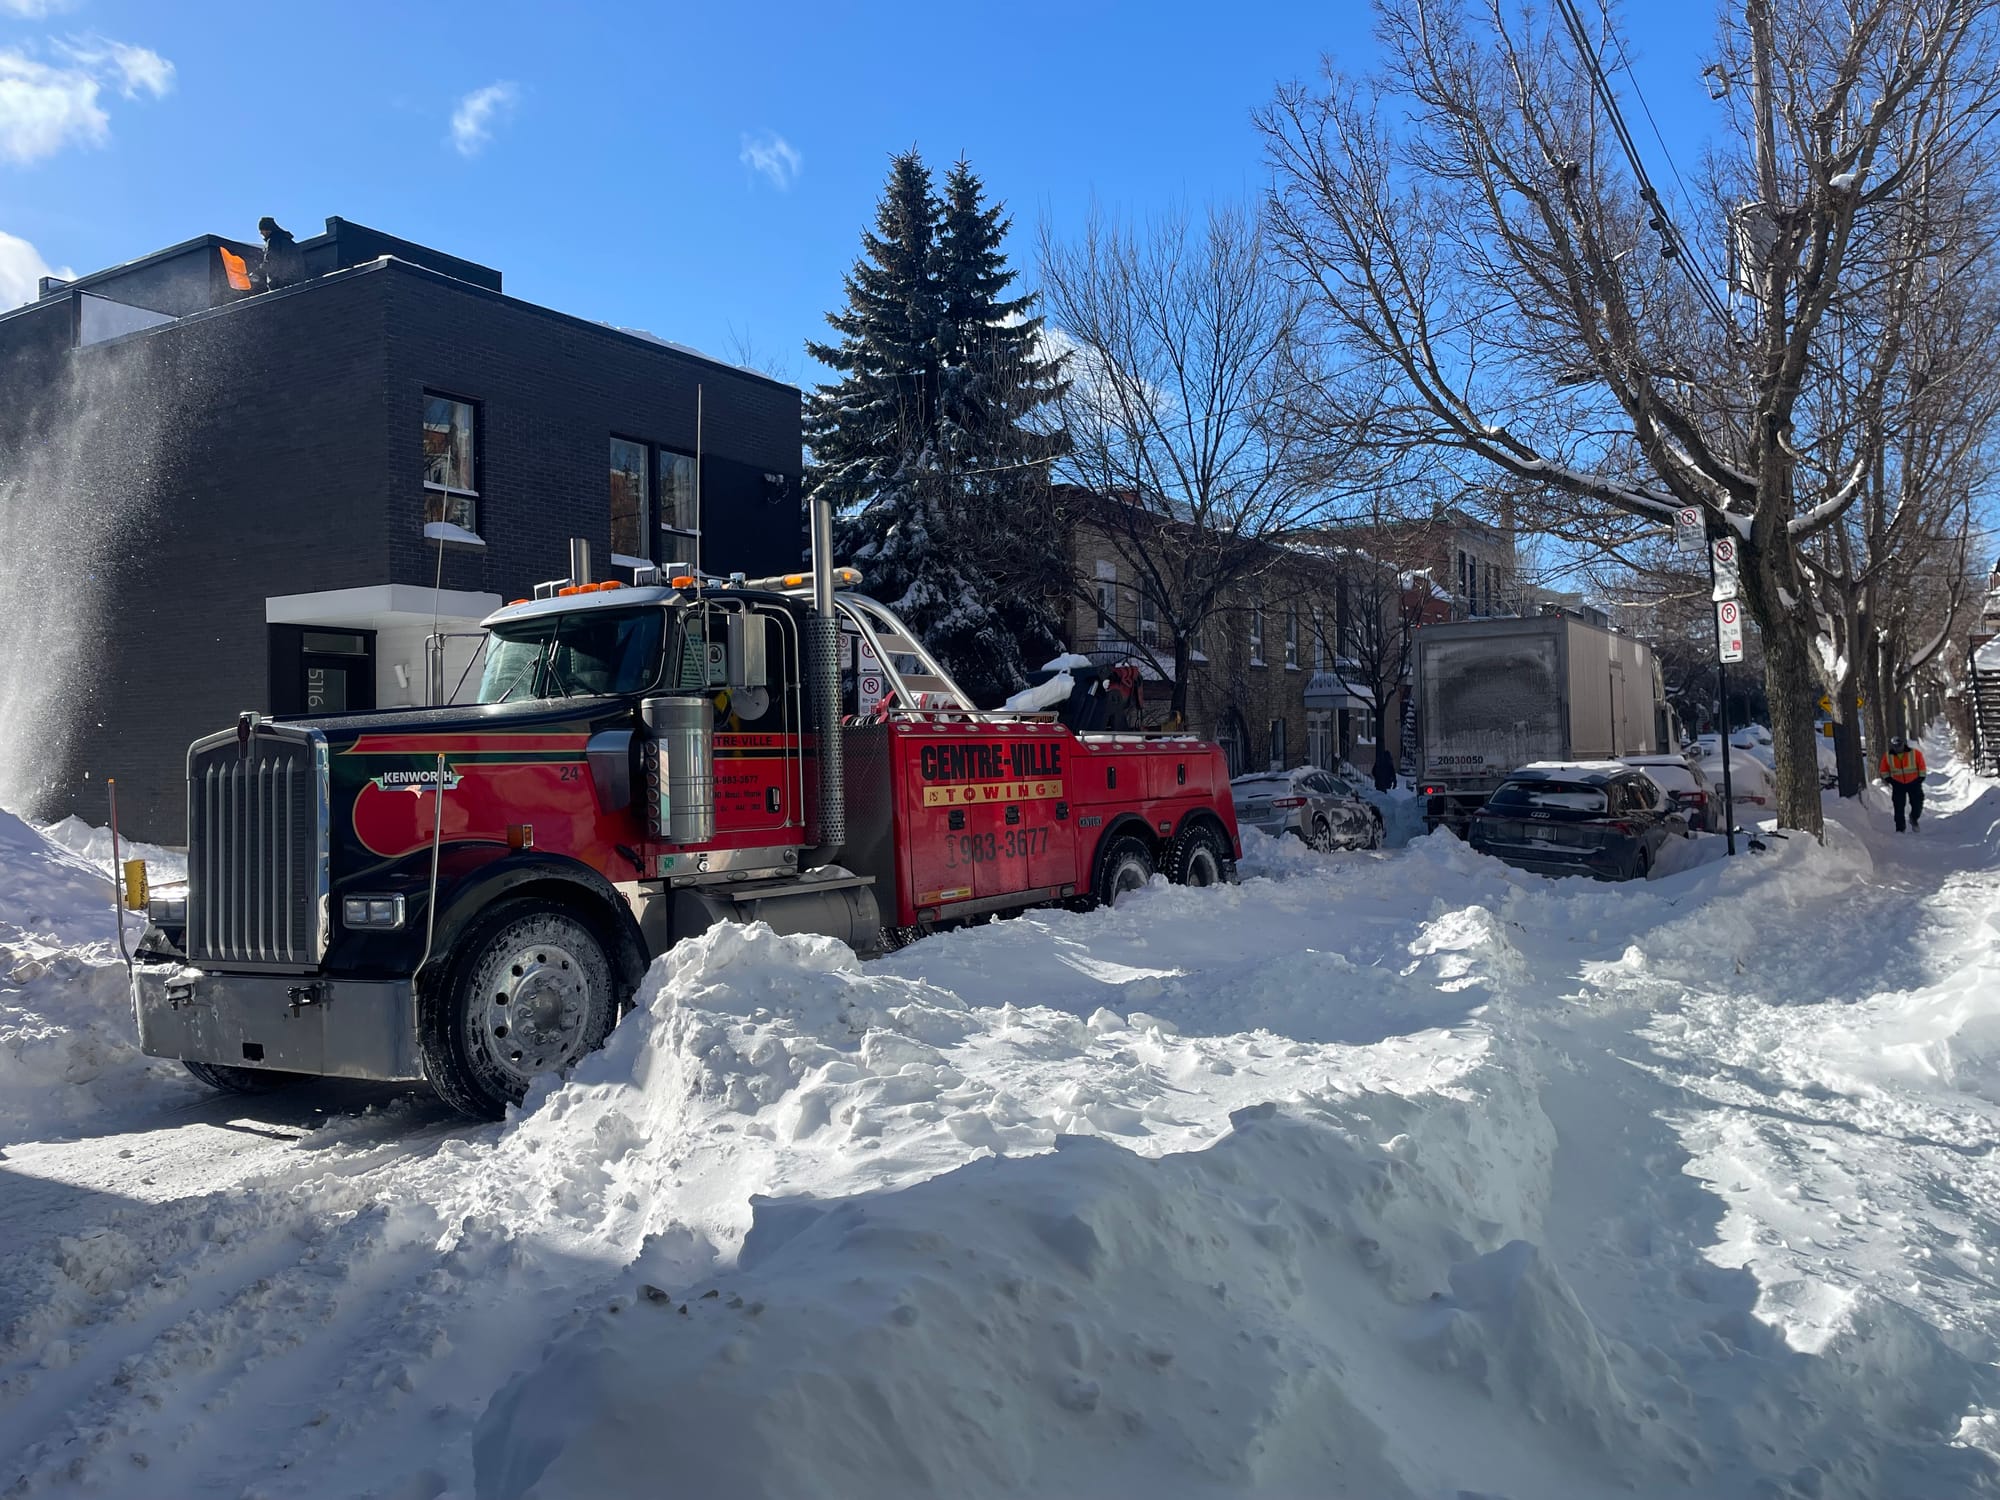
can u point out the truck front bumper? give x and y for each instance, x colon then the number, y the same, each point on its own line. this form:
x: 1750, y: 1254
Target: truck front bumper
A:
x: 336, y: 1028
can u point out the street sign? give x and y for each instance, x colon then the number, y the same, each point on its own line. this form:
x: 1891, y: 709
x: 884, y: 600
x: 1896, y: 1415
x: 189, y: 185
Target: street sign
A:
x: 1688, y: 528
x: 1729, y: 630
x: 1724, y: 553
x: 869, y: 690
x: 1825, y: 704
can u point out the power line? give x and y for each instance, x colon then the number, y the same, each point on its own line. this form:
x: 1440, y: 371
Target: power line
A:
x: 1670, y: 237
x: 1638, y: 93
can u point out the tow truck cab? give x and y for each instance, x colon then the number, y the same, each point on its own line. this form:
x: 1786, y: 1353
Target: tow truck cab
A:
x: 469, y: 894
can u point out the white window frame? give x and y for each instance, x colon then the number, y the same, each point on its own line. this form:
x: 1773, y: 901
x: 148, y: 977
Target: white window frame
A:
x: 448, y: 493
x: 1106, y: 624
x: 1257, y: 632
x: 1291, y: 638
x: 1149, y: 621
x: 692, y: 534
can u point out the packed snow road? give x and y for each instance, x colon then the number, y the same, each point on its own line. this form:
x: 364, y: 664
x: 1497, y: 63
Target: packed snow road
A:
x: 1394, y: 1174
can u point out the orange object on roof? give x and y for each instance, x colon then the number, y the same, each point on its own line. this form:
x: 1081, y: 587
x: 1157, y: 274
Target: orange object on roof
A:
x: 235, y: 268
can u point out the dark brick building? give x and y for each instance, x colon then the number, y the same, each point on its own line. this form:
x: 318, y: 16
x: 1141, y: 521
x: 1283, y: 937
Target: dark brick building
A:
x: 214, y: 499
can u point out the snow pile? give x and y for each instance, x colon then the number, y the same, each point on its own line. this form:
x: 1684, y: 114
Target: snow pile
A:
x: 1092, y: 1322
x: 65, y: 1011
x: 1043, y: 695
x: 928, y: 1277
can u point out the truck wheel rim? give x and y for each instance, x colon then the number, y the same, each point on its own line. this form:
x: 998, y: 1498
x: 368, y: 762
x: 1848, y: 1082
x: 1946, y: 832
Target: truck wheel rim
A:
x: 535, y: 1011
x: 1130, y: 875
x: 1202, y: 867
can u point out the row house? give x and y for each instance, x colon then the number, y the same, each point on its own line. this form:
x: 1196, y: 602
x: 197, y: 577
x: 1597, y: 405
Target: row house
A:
x: 1301, y: 663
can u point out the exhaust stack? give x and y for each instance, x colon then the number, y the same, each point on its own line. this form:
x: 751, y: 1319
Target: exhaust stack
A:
x: 823, y: 672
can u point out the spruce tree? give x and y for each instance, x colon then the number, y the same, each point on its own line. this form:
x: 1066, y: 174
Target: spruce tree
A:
x: 919, y: 441
x: 996, y: 380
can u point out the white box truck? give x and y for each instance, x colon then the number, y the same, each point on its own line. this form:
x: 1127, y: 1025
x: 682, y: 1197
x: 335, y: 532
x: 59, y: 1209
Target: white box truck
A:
x: 1495, y: 695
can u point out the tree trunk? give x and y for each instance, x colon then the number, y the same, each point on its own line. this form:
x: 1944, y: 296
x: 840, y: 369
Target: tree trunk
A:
x: 1873, y: 710
x: 1177, y: 707
x: 1848, y: 757
x: 1793, y: 691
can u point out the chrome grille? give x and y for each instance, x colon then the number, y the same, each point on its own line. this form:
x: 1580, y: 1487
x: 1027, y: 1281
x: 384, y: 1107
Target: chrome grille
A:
x: 257, y: 852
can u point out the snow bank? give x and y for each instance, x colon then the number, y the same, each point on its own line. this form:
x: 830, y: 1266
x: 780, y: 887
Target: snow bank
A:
x: 66, y: 1040
x: 1248, y: 1319
x: 959, y: 1248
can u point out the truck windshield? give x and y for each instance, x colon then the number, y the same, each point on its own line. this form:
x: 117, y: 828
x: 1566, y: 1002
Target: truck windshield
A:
x: 575, y: 655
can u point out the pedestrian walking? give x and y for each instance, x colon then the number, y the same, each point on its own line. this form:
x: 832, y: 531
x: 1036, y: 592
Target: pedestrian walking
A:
x: 1385, y: 769
x: 1903, y: 769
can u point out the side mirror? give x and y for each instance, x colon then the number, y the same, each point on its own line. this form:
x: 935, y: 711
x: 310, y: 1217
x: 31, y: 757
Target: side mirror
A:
x: 749, y: 635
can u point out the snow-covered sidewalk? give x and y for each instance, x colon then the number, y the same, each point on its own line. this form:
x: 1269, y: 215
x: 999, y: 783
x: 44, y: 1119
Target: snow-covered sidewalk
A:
x: 1380, y: 1175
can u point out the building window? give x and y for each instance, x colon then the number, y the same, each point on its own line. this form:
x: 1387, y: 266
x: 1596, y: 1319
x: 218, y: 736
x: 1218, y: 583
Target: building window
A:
x: 1319, y: 642
x: 1257, y: 633
x: 631, y: 498
x: 1292, y: 638
x: 1149, y: 620
x: 1277, y: 744
x: 678, y: 511
x: 451, y: 461
x: 1107, y: 605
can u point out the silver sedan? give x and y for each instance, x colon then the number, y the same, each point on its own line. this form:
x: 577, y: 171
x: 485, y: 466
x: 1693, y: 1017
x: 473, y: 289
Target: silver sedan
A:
x: 1316, y: 805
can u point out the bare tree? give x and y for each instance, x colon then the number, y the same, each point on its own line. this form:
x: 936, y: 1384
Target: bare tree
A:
x: 1368, y: 595
x: 1473, y: 223
x: 1181, y: 361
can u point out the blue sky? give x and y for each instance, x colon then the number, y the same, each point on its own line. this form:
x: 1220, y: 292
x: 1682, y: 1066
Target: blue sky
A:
x: 702, y: 171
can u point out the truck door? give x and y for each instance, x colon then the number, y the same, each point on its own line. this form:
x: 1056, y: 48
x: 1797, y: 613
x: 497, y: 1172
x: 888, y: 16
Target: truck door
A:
x: 758, y: 766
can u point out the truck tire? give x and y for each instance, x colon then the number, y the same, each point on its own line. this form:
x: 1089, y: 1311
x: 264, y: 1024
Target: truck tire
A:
x: 1125, y: 865
x: 1201, y: 858
x: 528, y: 992
x: 228, y: 1080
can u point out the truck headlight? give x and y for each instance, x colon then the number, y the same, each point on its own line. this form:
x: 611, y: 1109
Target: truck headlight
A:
x: 372, y: 911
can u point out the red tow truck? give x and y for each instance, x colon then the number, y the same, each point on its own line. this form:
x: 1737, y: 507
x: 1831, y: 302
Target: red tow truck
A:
x: 469, y: 895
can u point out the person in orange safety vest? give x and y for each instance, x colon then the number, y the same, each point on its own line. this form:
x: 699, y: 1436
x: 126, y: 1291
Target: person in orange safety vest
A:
x: 1903, y: 768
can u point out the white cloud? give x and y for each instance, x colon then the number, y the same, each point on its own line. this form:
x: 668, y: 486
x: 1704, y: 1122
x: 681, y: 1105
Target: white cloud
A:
x: 478, y: 112
x: 47, y: 106
x: 774, y: 156
x: 21, y: 268
x: 35, y: 10
x: 136, y: 70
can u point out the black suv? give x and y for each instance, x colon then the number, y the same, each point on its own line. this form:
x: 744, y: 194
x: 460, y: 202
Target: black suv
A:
x: 1595, y: 818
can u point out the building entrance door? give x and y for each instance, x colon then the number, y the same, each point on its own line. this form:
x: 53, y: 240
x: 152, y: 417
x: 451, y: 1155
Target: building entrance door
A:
x: 321, y: 671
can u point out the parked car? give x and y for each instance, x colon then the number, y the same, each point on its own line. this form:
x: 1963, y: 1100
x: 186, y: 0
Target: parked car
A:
x: 1754, y: 784
x: 1685, y: 783
x: 1600, y: 818
x: 1323, y: 809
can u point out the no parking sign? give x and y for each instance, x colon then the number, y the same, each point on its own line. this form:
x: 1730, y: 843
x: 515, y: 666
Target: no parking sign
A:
x: 1729, y: 630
